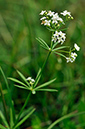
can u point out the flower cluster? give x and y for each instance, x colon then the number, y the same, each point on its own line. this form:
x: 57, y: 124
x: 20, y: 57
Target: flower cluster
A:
x: 54, y: 22
x: 73, y: 55
x: 59, y: 37
x: 52, y: 19
x: 31, y: 81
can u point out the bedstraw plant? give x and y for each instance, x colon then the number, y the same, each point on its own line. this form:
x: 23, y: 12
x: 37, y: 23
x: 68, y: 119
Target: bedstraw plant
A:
x: 55, y: 23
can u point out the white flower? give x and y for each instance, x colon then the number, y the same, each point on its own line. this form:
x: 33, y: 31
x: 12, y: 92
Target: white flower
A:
x: 56, y: 34
x: 73, y: 55
x: 55, y: 18
x: 42, y: 12
x: 60, y: 19
x: 47, y: 22
x: 62, y: 34
x: 32, y: 80
x: 64, y: 13
x: 54, y: 39
x: 76, y: 47
x: 68, y: 59
x: 43, y: 18
x: 29, y: 78
x: 50, y: 13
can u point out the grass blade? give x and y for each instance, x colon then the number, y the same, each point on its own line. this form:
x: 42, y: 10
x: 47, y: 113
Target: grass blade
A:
x: 49, y: 90
x: 73, y: 114
x: 45, y: 84
x: 2, y: 127
x: 9, y: 94
x: 21, y: 111
x: 4, y: 120
x: 11, y: 118
x: 24, y: 119
x: 24, y: 79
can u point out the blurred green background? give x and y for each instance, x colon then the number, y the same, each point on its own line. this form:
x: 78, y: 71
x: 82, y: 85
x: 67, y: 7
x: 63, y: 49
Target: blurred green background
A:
x: 19, y: 49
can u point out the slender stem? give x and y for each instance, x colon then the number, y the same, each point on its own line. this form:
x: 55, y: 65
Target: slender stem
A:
x: 4, y: 103
x: 26, y: 101
x: 51, y: 40
x: 43, y: 66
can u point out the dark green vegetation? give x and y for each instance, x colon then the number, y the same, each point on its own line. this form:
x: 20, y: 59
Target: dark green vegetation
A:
x: 19, y: 49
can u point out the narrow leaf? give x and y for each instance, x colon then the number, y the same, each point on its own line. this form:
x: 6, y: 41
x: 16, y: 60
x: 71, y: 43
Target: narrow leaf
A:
x: 41, y: 43
x: 4, y: 78
x: 9, y: 94
x: 55, y: 45
x: 24, y: 79
x: 3, y: 119
x: 2, y: 127
x: 49, y: 90
x: 44, y: 47
x: 60, y: 48
x: 11, y: 118
x: 22, y: 87
x: 45, y: 84
x: 17, y: 81
x: 44, y: 42
x: 60, y: 54
x: 37, y: 77
x: 24, y: 119
x: 65, y: 117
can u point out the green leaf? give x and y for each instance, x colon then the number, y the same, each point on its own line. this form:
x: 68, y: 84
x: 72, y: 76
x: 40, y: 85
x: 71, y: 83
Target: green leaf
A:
x: 17, y: 81
x: 60, y: 48
x: 4, y: 78
x: 73, y: 114
x: 24, y: 79
x: 22, y: 87
x: 26, y: 111
x: 45, y: 84
x: 44, y: 47
x: 54, y: 45
x: 43, y: 42
x: 49, y: 90
x: 50, y: 29
x: 4, y: 120
x: 24, y: 119
x: 9, y: 94
x: 2, y: 127
x: 60, y: 54
x: 37, y: 77
x: 11, y: 118
x: 64, y: 29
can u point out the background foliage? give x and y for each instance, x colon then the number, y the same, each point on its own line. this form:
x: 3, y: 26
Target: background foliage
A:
x: 19, y: 49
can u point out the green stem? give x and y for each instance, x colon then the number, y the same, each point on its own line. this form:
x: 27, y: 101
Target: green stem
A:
x: 4, y: 103
x: 26, y: 101
x: 43, y: 66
